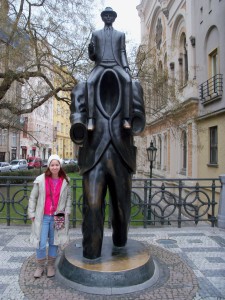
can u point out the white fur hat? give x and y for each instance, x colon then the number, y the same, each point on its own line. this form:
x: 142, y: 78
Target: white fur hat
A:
x: 56, y: 157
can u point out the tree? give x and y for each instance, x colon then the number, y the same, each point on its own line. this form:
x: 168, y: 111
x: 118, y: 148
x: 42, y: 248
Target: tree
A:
x: 42, y: 52
x: 163, y: 90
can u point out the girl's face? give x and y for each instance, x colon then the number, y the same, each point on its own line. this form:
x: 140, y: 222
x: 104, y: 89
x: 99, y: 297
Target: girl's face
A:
x: 54, y: 167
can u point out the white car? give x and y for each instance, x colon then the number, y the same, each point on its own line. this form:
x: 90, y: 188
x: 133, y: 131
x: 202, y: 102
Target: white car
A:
x: 68, y: 161
x: 5, y: 167
x: 19, y: 164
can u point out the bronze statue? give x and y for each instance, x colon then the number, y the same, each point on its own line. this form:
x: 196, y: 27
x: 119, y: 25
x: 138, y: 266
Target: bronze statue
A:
x: 108, y: 50
x: 107, y: 155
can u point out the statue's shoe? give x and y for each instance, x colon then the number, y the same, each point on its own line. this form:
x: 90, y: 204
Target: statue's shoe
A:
x: 91, y: 125
x: 126, y: 124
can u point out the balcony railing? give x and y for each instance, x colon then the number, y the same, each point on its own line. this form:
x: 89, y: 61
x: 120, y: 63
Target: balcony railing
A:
x: 211, y: 89
x: 154, y: 202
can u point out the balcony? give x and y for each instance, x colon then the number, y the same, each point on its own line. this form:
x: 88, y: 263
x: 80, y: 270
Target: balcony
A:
x: 211, y: 90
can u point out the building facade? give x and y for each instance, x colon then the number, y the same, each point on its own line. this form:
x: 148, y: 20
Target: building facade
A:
x: 183, y: 97
x: 36, y: 138
x: 62, y: 145
x: 210, y: 66
x: 9, y: 135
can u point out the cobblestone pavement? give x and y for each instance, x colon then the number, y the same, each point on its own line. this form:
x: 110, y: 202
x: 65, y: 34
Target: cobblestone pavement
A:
x: 192, y: 260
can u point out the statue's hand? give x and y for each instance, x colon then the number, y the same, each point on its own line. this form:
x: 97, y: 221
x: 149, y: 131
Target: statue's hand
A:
x: 91, y: 47
x: 127, y: 70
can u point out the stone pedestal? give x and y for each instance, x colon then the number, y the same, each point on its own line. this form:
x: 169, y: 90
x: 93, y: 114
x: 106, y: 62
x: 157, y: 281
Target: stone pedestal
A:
x: 117, y: 271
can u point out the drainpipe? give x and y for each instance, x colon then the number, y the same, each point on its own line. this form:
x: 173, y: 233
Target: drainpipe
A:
x: 221, y: 211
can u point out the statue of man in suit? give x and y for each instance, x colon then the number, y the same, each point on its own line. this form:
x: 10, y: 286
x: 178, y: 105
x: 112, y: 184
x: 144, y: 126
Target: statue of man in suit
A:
x: 107, y: 154
x: 107, y: 49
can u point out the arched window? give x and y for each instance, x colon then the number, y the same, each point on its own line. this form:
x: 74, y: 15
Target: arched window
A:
x: 183, y: 60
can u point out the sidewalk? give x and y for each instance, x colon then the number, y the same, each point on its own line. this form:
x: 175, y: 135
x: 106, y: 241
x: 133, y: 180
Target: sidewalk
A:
x: 200, y: 249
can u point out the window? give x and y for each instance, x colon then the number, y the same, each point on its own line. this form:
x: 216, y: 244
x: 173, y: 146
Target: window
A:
x: 4, y: 134
x: 25, y: 127
x: 14, y: 139
x: 159, y: 152
x: 184, y: 144
x: 165, y: 152
x: 213, y: 145
x: 183, y: 60
x: 213, y: 59
x: 58, y: 109
x: 58, y: 126
x: 183, y: 163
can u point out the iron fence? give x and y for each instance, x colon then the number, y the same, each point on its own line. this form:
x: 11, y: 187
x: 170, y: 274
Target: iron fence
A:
x: 153, y: 201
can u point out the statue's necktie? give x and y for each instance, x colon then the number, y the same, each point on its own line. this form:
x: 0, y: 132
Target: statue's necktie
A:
x: 108, y: 31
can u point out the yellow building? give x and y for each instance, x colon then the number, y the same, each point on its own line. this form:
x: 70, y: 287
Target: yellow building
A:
x: 62, y: 144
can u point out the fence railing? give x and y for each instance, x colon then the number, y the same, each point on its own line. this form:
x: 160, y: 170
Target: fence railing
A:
x: 153, y: 201
x: 211, y: 88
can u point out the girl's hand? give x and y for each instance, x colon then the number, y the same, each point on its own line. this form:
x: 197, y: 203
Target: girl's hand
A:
x: 32, y: 219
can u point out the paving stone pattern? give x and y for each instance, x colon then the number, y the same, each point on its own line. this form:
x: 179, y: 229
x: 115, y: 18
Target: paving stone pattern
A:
x: 191, y: 259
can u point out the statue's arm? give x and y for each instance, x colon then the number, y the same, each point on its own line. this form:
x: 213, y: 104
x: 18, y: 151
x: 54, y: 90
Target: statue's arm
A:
x: 78, y: 116
x: 123, y: 52
x: 91, y: 49
x: 138, y: 117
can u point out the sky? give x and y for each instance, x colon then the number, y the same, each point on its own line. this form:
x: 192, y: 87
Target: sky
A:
x: 127, y: 19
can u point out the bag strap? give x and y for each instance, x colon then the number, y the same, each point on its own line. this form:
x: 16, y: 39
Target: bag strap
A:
x: 51, y: 193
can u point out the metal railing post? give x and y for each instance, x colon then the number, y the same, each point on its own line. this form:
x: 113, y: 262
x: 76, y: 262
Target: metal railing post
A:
x: 213, y: 218
x: 180, y: 203
x: 221, y: 211
x: 8, y: 202
x: 74, y: 202
x: 145, y: 204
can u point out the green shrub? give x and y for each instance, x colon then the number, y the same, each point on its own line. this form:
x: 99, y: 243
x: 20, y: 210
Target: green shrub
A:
x: 18, y: 176
x: 71, y: 168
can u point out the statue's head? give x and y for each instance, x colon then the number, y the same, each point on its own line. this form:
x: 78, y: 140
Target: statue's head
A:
x: 108, y: 12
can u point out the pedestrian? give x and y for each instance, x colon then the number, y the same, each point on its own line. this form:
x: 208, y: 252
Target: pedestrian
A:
x: 49, y: 196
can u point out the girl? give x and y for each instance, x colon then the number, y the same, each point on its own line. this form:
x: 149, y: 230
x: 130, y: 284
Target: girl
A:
x: 50, y: 193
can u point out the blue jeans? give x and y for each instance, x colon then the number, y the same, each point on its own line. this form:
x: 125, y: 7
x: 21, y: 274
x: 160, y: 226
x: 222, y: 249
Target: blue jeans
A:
x: 47, y: 235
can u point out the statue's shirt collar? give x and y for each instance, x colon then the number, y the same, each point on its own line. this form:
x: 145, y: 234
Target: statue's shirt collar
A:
x: 108, y: 28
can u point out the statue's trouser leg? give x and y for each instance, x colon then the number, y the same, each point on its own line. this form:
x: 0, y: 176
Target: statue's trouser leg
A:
x: 94, y: 189
x: 120, y: 182
x: 91, y: 82
x: 126, y: 91
x: 112, y: 172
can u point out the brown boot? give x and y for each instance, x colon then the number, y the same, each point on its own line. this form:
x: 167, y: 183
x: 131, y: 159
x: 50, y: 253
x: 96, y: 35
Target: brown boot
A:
x: 40, y: 267
x: 51, y: 266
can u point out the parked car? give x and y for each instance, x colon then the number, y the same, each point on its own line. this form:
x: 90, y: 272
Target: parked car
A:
x: 70, y: 161
x: 73, y: 162
x: 5, y: 167
x: 44, y: 163
x: 19, y: 164
x: 34, y: 162
x: 66, y: 161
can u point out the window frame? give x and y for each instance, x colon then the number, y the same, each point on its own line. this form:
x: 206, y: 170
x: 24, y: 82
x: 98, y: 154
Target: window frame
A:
x: 213, y: 146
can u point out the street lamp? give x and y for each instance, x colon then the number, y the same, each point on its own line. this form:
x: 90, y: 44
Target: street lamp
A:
x: 151, y: 151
